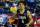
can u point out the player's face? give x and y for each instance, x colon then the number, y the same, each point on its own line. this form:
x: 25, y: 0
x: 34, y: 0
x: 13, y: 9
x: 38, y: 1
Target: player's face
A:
x: 21, y: 6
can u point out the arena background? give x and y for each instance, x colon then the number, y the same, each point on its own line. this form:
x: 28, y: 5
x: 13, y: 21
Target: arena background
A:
x: 32, y: 5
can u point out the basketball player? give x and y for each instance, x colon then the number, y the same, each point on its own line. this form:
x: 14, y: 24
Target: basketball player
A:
x: 23, y: 15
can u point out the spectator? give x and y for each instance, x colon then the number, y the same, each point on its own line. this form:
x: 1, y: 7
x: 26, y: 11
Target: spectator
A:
x: 13, y: 9
x: 17, y: 1
x: 7, y: 4
x: 15, y: 4
x: 30, y: 3
x: 32, y: 11
x: 7, y: 0
x: 22, y: 0
x: 37, y: 11
x: 27, y: 8
x: 39, y: 4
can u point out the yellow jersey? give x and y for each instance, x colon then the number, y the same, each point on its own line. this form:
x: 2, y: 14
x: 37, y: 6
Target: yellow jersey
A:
x: 13, y: 9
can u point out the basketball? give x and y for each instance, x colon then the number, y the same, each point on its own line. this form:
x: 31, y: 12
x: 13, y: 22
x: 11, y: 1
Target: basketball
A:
x: 10, y: 20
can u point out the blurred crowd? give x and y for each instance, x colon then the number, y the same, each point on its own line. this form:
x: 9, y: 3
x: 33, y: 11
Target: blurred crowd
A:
x: 32, y: 5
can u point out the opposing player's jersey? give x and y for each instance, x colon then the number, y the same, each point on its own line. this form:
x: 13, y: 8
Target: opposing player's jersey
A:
x: 22, y: 17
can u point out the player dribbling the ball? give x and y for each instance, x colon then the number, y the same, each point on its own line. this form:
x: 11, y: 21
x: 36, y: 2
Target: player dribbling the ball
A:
x: 23, y: 15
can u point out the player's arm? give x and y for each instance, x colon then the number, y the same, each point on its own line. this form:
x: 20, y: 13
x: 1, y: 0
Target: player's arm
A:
x: 15, y: 15
x: 30, y: 17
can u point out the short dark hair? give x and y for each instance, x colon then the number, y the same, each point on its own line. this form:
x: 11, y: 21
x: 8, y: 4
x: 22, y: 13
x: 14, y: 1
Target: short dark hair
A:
x: 21, y: 2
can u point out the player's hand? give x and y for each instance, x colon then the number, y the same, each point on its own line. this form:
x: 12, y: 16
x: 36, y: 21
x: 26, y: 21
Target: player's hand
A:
x: 27, y: 25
